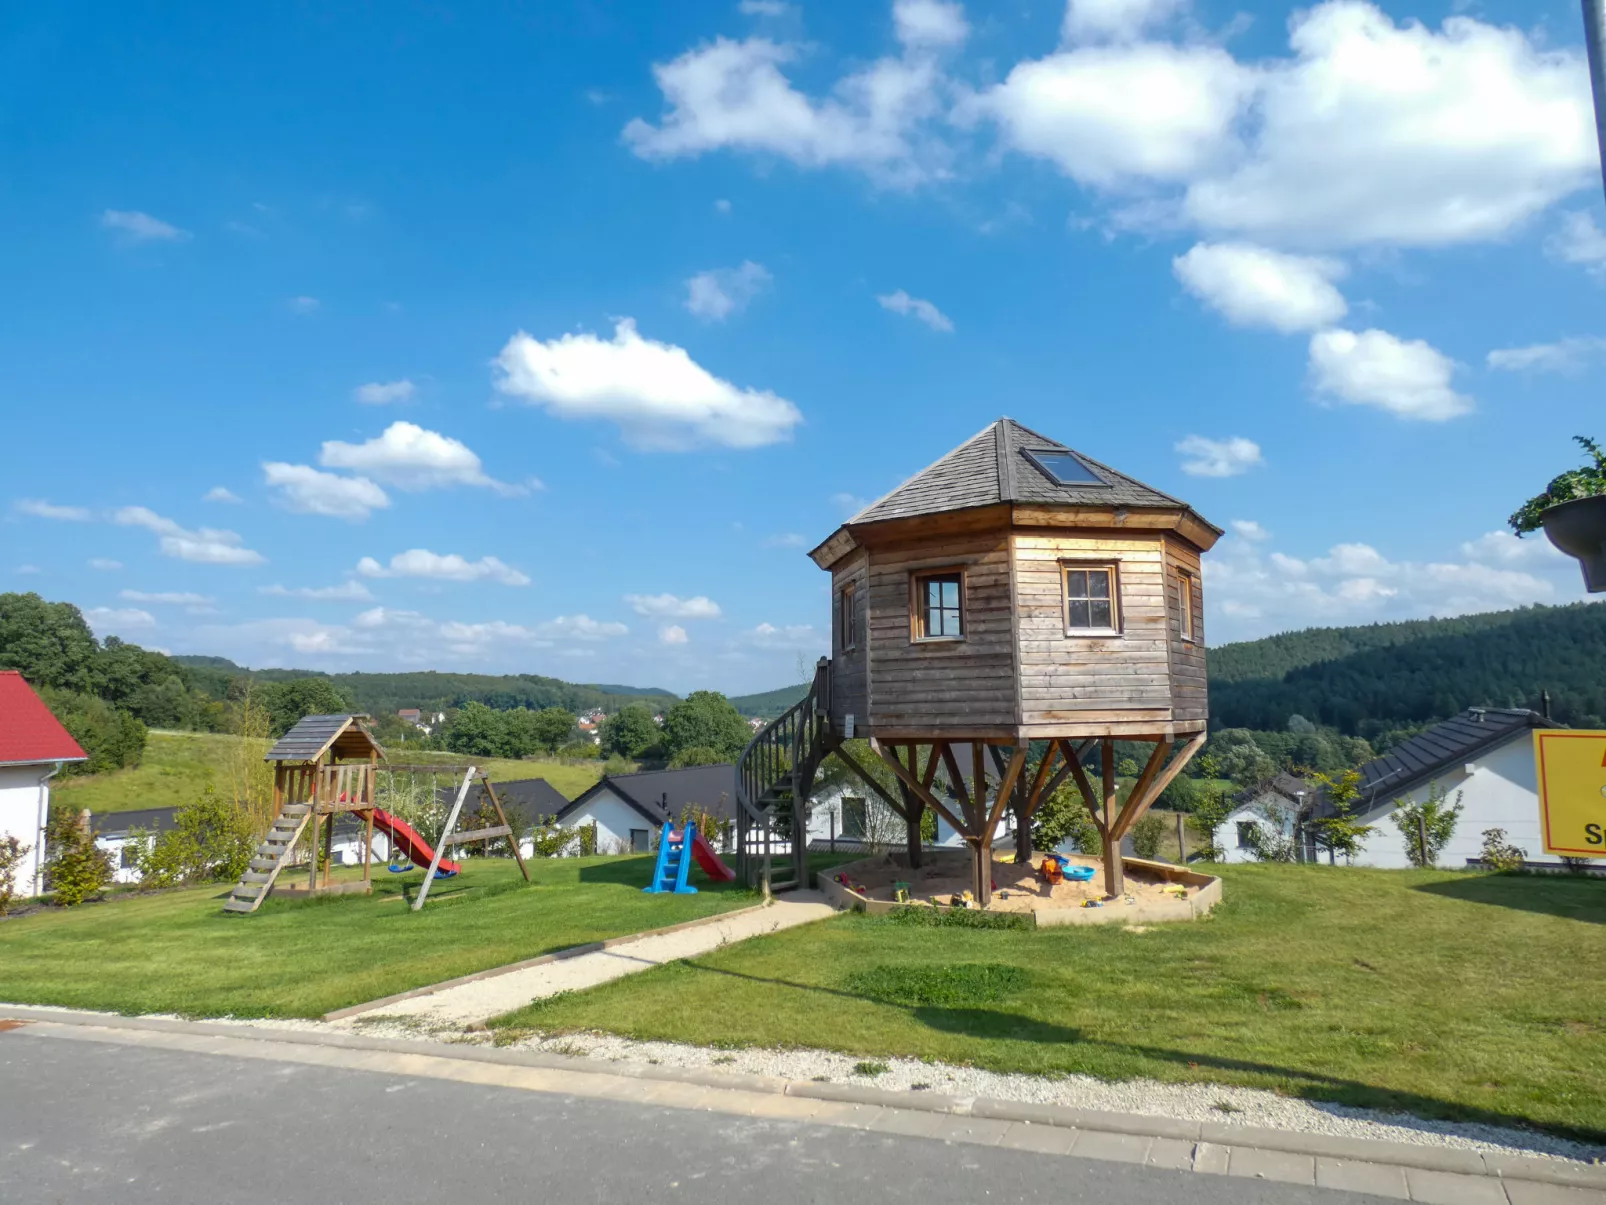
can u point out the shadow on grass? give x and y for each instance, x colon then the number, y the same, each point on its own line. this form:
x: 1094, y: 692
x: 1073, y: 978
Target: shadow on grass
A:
x: 1307, y: 1085
x: 1576, y: 897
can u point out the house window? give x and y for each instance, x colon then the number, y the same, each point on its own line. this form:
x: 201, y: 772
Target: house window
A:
x: 1246, y: 834
x: 1091, y: 604
x: 939, y: 606
x: 850, y: 618
x: 128, y: 857
x: 1185, y: 592
x: 638, y: 840
x: 853, y: 817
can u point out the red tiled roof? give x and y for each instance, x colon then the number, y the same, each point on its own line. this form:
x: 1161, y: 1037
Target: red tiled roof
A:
x: 28, y: 732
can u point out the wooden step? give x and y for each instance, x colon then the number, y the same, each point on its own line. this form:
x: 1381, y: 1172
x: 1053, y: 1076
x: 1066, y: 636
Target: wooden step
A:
x: 239, y: 906
x: 264, y: 863
x: 254, y: 876
x: 294, y: 809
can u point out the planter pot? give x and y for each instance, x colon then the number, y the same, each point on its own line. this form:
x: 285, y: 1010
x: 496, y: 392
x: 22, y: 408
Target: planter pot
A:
x: 1578, y: 528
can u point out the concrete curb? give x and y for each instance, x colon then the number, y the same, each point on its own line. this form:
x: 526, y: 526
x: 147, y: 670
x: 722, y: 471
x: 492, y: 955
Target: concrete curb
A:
x: 1534, y: 1169
x: 590, y: 947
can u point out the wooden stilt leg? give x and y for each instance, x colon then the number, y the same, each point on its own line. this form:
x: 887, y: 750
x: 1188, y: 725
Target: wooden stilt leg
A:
x: 1114, y: 873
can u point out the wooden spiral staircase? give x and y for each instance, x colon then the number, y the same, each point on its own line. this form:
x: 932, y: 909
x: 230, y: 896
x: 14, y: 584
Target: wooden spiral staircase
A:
x: 774, y: 776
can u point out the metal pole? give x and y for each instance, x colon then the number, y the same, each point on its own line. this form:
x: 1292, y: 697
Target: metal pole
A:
x: 1595, y: 42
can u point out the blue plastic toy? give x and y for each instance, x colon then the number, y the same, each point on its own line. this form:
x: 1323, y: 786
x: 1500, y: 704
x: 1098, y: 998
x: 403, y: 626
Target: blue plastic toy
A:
x: 674, y: 862
x: 1074, y: 872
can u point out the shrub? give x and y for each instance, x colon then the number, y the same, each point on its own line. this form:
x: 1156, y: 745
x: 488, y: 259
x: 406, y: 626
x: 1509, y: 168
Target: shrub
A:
x: 551, y: 840
x: 212, y: 841
x: 697, y: 755
x: 12, y: 852
x: 1147, y: 834
x: 1271, y: 838
x: 75, y: 868
x: 1062, y: 817
x: 1432, y: 821
x: 1499, y: 854
x: 1209, y: 814
x: 1181, y: 794
x: 580, y: 751
x: 1587, y: 482
x: 587, y: 844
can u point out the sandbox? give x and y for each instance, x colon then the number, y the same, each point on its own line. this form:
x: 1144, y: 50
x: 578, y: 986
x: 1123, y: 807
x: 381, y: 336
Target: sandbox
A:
x: 1020, y: 889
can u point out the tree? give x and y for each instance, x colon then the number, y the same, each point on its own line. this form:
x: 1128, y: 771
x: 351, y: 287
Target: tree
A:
x: 49, y: 642
x: 75, y: 866
x: 1147, y: 835
x: 706, y: 718
x: 553, y: 726
x: 1427, y: 826
x: 1063, y: 816
x: 1239, y: 758
x: 212, y: 841
x: 291, y: 700
x: 697, y: 755
x: 1209, y: 814
x: 1340, y: 831
x: 630, y: 732
x: 477, y: 730
x: 12, y: 851
x: 111, y: 736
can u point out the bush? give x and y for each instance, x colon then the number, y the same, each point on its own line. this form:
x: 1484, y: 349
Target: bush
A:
x: 1209, y: 814
x: 75, y: 868
x: 1499, y: 854
x: 212, y: 841
x: 12, y: 853
x: 618, y: 765
x: 1434, y: 819
x: 1147, y: 834
x: 552, y: 840
x: 1182, y: 794
x: 586, y: 847
x: 697, y: 755
x: 1062, y: 817
x: 580, y: 751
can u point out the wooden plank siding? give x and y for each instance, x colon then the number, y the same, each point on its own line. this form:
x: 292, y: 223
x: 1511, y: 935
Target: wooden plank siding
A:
x: 1190, y: 701
x: 850, y: 668
x: 967, y: 684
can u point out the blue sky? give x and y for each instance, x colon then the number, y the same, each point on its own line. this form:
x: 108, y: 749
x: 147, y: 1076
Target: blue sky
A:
x: 548, y: 338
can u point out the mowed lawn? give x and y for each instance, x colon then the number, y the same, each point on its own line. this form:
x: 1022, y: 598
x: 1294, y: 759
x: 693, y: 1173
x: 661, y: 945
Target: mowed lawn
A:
x: 1443, y: 994
x: 178, y: 765
x: 179, y: 952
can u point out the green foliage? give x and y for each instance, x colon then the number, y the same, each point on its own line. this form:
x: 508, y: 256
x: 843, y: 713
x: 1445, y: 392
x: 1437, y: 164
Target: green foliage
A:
x: 618, y: 765
x: 550, y: 840
x: 1209, y: 814
x: 12, y: 852
x: 870, y: 1069
x: 1147, y: 836
x: 1127, y: 768
x: 1240, y: 758
x: 1181, y: 794
x: 482, y: 731
x: 1499, y: 854
x: 75, y: 868
x: 705, y: 719
x: 771, y: 703
x: 697, y: 755
x: 922, y: 917
x: 1433, y: 819
x: 212, y: 841
x: 1340, y: 831
x: 1587, y: 482
x: 1366, y: 681
x: 579, y: 751
x: 630, y: 732
x: 112, y: 737
x: 586, y: 845
x: 288, y: 701
x: 1063, y: 816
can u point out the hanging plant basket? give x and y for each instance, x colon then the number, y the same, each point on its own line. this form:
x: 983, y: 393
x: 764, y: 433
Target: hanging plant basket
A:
x: 1578, y: 528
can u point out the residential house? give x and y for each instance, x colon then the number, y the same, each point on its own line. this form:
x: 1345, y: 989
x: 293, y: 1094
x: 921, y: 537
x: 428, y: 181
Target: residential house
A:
x: 116, y: 834
x: 33, y: 749
x: 1271, y: 810
x: 411, y: 715
x: 630, y: 810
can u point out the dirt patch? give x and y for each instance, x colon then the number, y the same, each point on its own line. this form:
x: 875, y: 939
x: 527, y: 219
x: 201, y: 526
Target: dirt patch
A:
x: 1015, y: 888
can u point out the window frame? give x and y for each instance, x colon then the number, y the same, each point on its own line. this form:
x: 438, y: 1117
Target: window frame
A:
x: 646, y: 839
x: 861, y: 808
x: 1117, y: 612
x: 1245, y: 828
x: 917, y: 606
x: 848, y: 613
x: 1187, y: 593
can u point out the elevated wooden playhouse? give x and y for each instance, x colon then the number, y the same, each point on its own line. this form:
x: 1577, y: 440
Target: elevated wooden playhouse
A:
x: 1015, y: 591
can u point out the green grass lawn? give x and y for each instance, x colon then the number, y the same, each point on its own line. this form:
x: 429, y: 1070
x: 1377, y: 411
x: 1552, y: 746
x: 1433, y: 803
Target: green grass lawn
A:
x: 178, y: 765
x: 179, y: 952
x: 1436, y: 993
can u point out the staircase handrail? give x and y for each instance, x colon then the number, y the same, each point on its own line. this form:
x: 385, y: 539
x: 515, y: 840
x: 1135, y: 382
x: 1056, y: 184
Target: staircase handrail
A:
x: 758, y: 769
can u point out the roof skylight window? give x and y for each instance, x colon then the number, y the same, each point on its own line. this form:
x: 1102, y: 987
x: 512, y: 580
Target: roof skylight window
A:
x: 1063, y: 468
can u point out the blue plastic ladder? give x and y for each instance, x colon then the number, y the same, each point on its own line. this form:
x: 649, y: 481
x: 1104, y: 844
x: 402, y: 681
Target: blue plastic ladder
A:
x: 674, y: 862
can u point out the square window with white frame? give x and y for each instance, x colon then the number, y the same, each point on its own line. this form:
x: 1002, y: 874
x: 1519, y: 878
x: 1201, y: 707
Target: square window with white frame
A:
x: 1092, y: 600
x: 939, y: 604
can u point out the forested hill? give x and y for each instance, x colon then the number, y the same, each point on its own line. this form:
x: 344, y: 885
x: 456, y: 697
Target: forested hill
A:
x: 380, y: 694
x: 770, y: 703
x: 1366, y: 679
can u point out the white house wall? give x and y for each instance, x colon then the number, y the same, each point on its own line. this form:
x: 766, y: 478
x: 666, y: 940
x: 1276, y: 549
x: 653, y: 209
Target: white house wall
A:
x: 614, y: 819
x: 21, y: 798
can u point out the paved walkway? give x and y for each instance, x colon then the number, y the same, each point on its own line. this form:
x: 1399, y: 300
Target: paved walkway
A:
x: 490, y: 996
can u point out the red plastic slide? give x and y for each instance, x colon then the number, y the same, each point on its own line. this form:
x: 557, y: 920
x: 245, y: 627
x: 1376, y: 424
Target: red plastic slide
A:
x: 709, y: 861
x: 418, y: 850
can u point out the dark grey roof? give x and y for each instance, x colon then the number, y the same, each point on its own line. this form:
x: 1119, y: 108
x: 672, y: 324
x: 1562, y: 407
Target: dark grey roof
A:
x: 526, y: 801
x: 992, y: 466
x: 310, y: 734
x: 1286, y: 785
x: 120, y: 824
x: 661, y: 795
x: 1432, y: 751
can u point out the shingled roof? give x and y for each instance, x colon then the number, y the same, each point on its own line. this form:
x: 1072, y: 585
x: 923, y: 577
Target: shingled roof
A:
x: 995, y: 466
x: 313, y: 734
x: 1430, y: 752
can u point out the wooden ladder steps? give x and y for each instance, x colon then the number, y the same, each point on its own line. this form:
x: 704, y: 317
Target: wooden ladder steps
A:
x: 271, y: 857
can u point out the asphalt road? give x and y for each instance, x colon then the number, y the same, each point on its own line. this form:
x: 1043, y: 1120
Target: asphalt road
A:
x: 90, y: 1122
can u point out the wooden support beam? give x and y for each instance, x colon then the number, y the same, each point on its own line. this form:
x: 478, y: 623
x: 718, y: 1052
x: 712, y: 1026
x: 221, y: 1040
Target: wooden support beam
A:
x: 913, y: 812
x: 978, y: 781
x: 922, y: 792
x: 852, y: 763
x: 1006, y: 787
x: 930, y: 776
x: 1073, y: 763
x: 1141, y: 786
x: 1160, y: 783
x: 1114, y: 871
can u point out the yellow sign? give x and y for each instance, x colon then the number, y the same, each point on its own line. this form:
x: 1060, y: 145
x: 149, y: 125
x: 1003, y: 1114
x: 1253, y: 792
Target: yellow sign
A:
x: 1572, y: 791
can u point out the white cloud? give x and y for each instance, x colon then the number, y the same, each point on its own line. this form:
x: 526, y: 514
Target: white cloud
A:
x: 1122, y: 115
x: 763, y: 8
x: 420, y: 562
x: 1409, y: 379
x: 1254, y: 286
x: 304, y: 305
x: 40, y: 509
x: 1565, y: 355
x: 1118, y: 20
x: 786, y: 539
x: 141, y: 227
x: 721, y: 292
x: 722, y: 206
x: 849, y: 504
x: 171, y: 597
x: 1248, y: 529
x: 657, y: 394
x: 110, y: 619
x: 312, y: 492
x: 1579, y: 241
x: 345, y: 592
x: 105, y: 564
x: 668, y: 606
x: 1504, y: 548
x: 733, y: 96
x: 381, y: 393
x: 220, y: 493
x: 901, y: 303
x: 1219, y: 457
x: 929, y: 24
x: 207, y: 545
x: 413, y: 458
x: 580, y: 627
x: 789, y: 636
x: 673, y: 633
